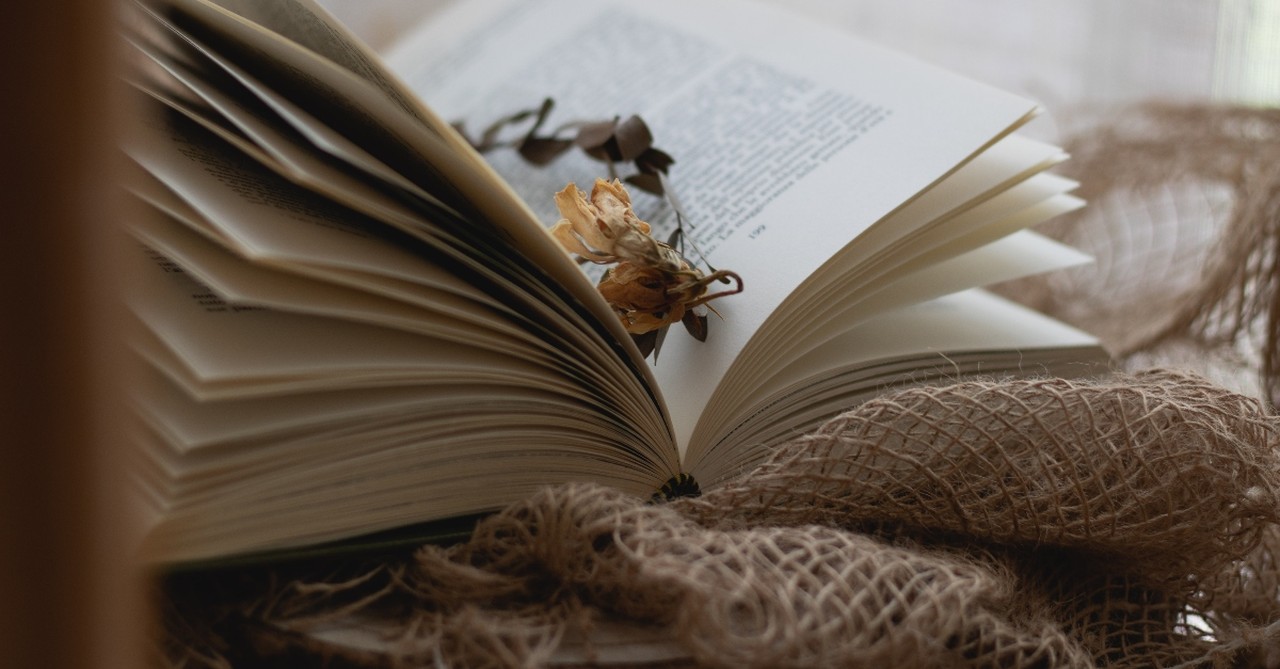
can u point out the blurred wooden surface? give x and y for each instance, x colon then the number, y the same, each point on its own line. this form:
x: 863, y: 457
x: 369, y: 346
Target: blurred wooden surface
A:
x: 69, y: 596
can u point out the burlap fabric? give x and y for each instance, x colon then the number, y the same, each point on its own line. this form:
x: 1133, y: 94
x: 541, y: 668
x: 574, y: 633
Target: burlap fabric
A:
x: 1130, y: 521
x: 1184, y: 220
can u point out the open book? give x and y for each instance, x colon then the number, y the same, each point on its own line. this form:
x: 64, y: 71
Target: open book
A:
x: 351, y: 322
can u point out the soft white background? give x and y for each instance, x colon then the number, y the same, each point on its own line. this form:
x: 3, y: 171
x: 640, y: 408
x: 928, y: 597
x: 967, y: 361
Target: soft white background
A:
x: 1067, y: 54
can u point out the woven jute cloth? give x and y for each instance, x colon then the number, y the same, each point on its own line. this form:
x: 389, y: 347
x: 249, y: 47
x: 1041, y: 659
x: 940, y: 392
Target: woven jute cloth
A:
x: 1128, y: 521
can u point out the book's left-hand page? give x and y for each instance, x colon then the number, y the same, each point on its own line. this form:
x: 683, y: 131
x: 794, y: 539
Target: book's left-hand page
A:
x: 335, y: 78
x: 469, y: 378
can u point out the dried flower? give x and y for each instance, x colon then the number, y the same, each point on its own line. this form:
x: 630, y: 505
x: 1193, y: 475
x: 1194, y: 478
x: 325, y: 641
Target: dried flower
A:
x: 653, y: 285
x: 606, y: 230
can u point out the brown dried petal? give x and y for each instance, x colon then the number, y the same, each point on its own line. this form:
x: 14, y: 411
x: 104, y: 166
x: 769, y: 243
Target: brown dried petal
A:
x: 639, y: 295
x: 564, y: 232
x: 640, y: 322
x: 605, y: 228
x: 634, y: 287
x: 632, y: 137
x: 580, y: 231
x: 614, y: 205
x: 687, y: 287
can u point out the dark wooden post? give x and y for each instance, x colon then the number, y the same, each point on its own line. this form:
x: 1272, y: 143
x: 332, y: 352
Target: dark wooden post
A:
x: 70, y: 595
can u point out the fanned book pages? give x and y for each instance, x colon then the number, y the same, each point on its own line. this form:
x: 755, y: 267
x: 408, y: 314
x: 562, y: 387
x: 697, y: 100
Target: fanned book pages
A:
x: 352, y: 321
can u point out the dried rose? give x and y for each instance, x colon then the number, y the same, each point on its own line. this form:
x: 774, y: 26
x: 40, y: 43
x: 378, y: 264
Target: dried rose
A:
x: 652, y: 285
x: 605, y: 229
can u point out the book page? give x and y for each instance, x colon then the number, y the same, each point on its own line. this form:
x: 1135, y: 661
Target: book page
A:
x: 311, y: 26
x: 940, y: 340
x: 274, y: 124
x: 263, y: 217
x: 427, y: 153
x: 943, y: 222
x: 436, y: 313
x: 219, y: 341
x: 991, y: 255
x: 193, y: 427
x: 266, y: 219
x: 1017, y: 255
x: 789, y: 139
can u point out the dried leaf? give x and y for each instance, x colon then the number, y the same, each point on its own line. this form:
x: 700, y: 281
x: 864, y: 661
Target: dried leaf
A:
x: 653, y: 161
x: 646, y: 342
x: 646, y: 182
x: 660, y: 335
x: 592, y: 137
x: 674, y: 239
x: 632, y: 138
x: 696, y: 324
x: 542, y: 151
x: 547, y: 105
x: 489, y: 138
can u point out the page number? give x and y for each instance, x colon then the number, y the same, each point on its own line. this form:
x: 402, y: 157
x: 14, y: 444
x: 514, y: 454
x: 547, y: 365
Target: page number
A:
x: 756, y: 232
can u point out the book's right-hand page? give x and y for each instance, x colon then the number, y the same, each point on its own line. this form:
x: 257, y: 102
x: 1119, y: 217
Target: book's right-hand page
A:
x: 790, y: 139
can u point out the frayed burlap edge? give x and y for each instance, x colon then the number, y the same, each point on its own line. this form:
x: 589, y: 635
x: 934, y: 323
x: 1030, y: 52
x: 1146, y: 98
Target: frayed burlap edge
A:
x: 1041, y: 523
